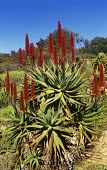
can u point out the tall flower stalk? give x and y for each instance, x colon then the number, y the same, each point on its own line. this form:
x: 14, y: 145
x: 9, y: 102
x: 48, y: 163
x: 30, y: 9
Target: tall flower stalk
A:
x: 26, y: 94
x: 14, y: 91
x: 27, y: 44
x: 40, y: 57
x: 32, y: 51
x: 72, y: 48
x: 20, y: 58
x: 50, y: 44
x: 22, y: 101
x: 59, y: 34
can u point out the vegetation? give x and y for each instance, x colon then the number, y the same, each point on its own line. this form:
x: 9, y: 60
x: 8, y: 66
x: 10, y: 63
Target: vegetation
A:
x: 58, y: 103
x: 95, y: 46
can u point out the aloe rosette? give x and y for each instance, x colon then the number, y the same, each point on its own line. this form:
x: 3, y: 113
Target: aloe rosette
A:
x: 59, y: 85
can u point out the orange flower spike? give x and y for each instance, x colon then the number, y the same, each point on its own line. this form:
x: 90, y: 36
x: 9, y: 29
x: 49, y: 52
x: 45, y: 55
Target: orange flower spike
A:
x: 26, y: 93
x: 50, y: 44
x: 14, y: 91
x: 40, y: 57
x: 7, y: 83
x: 20, y: 59
x: 31, y: 50
x: 27, y: 44
x: 59, y: 34
x: 22, y: 101
x: 72, y: 47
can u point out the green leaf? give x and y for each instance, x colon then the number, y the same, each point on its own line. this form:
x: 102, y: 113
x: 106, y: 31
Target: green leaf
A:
x: 60, y: 120
x: 45, y: 133
x: 42, y: 83
x: 53, y: 99
x: 34, y: 126
x: 89, y: 130
x: 58, y: 143
x: 93, y: 118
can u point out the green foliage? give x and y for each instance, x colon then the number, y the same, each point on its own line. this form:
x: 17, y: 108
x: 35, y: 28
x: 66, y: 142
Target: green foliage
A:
x: 95, y: 46
x: 16, y: 75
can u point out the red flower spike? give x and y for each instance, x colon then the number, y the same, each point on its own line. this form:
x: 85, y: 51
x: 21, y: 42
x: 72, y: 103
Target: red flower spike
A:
x: 50, y: 44
x: 20, y: 59
x: 7, y: 83
x: 59, y: 34
x: 95, y: 85
x: 32, y: 51
x: 40, y: 57
x: 14, y: 91
x: 102, y: 79
x: 32, y: 89
x: 63, y: 47
x: 27, y: 44
x: 26, y: 93
x: 72, y: 47
x: 22, y: 101
x: 55, y: 59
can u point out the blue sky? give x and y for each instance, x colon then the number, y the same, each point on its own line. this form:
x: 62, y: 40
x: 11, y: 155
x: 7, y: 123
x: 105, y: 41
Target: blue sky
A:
x: 38, y: 18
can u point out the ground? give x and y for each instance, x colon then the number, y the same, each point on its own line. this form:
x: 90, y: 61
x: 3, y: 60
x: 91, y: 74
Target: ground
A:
x: 97, y: 157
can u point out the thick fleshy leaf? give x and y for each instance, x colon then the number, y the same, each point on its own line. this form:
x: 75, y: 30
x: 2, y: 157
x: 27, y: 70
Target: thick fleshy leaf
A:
x: 58, y: 143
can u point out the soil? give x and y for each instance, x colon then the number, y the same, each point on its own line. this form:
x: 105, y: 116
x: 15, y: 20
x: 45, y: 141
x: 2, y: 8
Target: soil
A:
x: 98, y: 155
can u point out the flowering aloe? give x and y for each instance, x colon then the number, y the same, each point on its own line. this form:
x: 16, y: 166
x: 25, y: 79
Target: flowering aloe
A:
x: 31, y: 51
x: 55, y: 56
x: 22, y: 101
x: 20, y: 59
x: 59, y: 106
x: 72, y: 47
x: 26, y: 95
x: 50, y: 44
x: 40, y: 57
x: 27, y: 44
x: 59, y: 34
x: 14, y: 91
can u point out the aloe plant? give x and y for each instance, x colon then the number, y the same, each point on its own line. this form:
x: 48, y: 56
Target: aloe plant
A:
x: 60, y: 86
x: 52, y: 111
x: 51, y: 135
